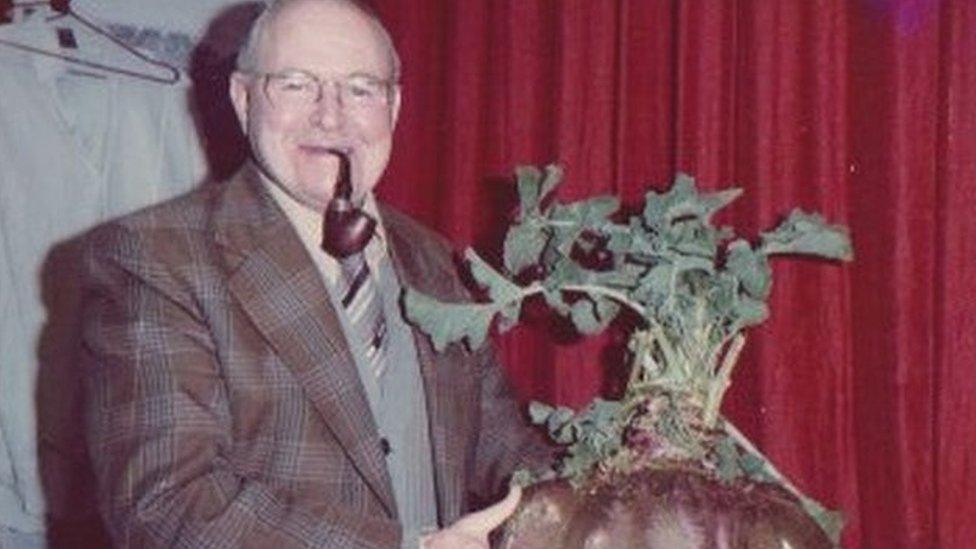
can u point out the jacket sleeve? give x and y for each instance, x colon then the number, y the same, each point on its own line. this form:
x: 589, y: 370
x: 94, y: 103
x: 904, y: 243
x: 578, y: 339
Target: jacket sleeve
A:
x: 159, y: 420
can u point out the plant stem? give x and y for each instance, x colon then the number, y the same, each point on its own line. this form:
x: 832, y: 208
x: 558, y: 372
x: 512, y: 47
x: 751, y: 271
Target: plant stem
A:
x: 671, y: 358
x: 615, y: 295
x: 591, y: 289
x: 767, y: 465
x: 608, y: 227
x: 721, y: 382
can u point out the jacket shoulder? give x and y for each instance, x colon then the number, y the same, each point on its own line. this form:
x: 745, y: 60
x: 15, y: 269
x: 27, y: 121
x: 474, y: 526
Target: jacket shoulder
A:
x: 171, y: 235
x: 405, y: 227
x: 187, y: 211
x: 428, y: 259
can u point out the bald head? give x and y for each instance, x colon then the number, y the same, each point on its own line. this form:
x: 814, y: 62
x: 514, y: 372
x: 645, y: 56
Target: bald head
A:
x: 248, y: 59
x: 331, y: 48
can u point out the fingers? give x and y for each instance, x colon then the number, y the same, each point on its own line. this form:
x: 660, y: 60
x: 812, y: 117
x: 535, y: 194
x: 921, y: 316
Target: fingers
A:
x: 482, y: 522
x: 471, y: 531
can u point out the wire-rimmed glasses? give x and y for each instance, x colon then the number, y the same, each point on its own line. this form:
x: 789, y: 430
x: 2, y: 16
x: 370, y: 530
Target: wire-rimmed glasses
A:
x: 297, y: 89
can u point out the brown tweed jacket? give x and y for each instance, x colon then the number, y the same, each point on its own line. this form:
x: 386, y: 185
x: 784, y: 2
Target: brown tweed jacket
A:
x: 223, y: 405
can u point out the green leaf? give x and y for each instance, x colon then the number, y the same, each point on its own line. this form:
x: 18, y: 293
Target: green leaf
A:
x: 606, y: 310
x: 552, y: 179
x: 803, y: 233
x: 564, y: 434
x: 529, y: 180
x: 561, y: 427
x: 681, y: 220
x: 728, y: 460
x: 751, y: 268
x: 656, y: 285
x: 683, y: 200
x: 558, y: 421
x: 500, y: 289
x: 563, y: 239
x: 656, y: 205
x: 621, y: 239
x: 559, y: 417
x: 509, y: 315
x: 524, y: 244
x: 645, y: 244
x: 694, y: 263
x: 586, y: 212
x: 583, y: 315
x: 556, y: 302
x: 749, y: 312
x: 593, y: 315
x: 564, y: 272
x: 534, y: 187
x: 627, y: 275
x: 448, y: 323
x: 604, y: 414
x: 693, y: 238
x: 539, y: 412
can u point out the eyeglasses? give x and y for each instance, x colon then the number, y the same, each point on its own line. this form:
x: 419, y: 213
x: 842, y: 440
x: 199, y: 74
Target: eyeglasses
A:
x: 297, y: 89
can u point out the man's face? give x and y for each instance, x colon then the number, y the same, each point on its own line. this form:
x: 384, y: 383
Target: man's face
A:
x: 290, y: 139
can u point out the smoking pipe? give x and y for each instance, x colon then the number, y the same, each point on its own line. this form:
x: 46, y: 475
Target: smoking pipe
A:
x: 346, y: 229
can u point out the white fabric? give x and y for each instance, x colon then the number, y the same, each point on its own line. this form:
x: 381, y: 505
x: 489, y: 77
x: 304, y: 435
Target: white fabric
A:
x: 186, y: 16
x: 38, y: 28
x: 74, y: 150
x: 13, y: 539
x: 175, y: 26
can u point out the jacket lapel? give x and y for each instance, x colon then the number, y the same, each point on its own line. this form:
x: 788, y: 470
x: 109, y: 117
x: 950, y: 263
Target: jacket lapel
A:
x: 444, y: 385
x: 282, y: 291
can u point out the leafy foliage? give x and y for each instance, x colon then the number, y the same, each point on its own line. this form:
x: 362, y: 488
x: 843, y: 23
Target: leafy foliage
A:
x: 449, y: 322
x: 694, y: 288
x: 592, y: 436
x: 804, y: 233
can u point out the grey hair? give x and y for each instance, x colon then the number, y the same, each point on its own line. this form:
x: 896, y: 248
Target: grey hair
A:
x: 247, y: 57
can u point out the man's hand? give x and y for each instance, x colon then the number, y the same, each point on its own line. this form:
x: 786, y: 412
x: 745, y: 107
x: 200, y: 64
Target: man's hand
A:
x: 471, y: 531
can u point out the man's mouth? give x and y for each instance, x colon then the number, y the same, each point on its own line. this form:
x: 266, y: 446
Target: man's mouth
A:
x: 321, y: 150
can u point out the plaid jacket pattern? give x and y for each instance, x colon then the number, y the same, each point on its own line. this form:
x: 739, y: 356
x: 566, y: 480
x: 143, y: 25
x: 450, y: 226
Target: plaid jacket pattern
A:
x: 223, y: 405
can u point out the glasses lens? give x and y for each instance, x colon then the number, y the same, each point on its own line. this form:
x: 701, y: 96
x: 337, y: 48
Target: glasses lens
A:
x: 292, y: 89
x: 364, y: 90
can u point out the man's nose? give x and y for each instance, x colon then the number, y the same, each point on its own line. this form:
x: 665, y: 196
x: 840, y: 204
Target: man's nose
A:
x: 328, y: 112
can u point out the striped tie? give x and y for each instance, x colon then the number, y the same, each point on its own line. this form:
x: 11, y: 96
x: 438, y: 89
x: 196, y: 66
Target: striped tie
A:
x: 364, y: 310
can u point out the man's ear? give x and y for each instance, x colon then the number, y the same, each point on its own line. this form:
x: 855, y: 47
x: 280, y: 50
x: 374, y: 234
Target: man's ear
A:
x: 240, y: 97
x: 395, y: 105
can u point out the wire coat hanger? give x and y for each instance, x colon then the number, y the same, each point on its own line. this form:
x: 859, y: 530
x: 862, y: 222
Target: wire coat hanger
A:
x: 63, y: 9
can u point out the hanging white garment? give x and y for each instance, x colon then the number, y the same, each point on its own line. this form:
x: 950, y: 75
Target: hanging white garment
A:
x: 175, y: 26
x: 75, y: 150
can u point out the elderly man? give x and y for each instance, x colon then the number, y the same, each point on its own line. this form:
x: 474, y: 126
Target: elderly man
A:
x: 247, y: 388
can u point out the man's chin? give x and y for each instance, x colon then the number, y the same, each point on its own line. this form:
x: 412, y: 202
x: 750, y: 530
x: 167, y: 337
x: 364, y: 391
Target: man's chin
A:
x: 297, y: 191
x: 317, y: 201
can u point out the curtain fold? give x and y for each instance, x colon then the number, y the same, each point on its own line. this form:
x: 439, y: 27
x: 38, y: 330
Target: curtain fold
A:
x: 861, y: 387
x: 955, y: 280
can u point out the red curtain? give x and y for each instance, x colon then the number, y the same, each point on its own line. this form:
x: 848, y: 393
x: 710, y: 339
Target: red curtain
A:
x: 862, y: 385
